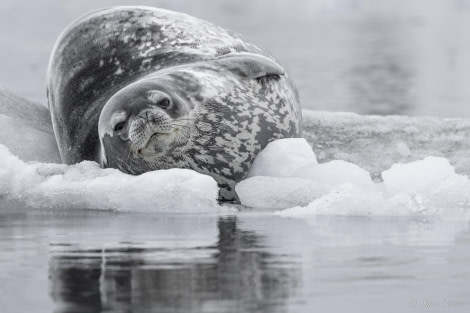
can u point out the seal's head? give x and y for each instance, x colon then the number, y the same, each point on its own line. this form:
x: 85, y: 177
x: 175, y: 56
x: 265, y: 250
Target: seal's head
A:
x: 211, y: 116
x: 144, y: 126
x: 143, y: 120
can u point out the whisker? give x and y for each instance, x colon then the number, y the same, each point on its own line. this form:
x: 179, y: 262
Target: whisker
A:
x: 147, y: 118
x: 185, y: 119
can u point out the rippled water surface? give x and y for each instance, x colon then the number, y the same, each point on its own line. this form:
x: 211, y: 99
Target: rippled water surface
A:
x: 89, y: 261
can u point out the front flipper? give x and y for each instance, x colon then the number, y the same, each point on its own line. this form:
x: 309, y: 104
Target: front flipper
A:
x: 250, y: 65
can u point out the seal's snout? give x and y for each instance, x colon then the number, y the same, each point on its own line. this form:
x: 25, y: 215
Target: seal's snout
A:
x: 147, y: 125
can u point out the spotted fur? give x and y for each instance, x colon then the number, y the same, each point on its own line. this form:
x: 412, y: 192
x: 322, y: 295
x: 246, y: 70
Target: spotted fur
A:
x: 227, y: 103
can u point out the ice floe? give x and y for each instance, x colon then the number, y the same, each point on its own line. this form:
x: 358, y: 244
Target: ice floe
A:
x: 86, y: 186
x: 367, y: 166
x: 425, y: 187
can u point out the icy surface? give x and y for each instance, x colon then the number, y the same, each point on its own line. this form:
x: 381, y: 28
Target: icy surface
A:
x: 368, y: 165
x: 426, y: 187
x: 375, y: 143
x: 86, y: 185
x: 26, y: 129
x: 26, y: 135
x: 294, y: 151
x: 418, y: 176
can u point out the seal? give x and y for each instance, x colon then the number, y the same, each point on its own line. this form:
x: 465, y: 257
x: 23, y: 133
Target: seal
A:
x: 143, y: 89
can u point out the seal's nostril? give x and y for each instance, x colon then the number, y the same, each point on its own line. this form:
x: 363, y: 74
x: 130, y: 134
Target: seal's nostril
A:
x: 159, y: 98
x: 164, y: 103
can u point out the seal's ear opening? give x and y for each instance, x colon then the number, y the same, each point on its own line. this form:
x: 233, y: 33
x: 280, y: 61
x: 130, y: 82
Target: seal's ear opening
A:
x: 250, y: 65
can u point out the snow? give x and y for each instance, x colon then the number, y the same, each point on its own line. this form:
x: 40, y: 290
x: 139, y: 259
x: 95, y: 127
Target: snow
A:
x: 86, y: 185
x: 31, y: 173
x: 429, y: 187
x: 367, y: 166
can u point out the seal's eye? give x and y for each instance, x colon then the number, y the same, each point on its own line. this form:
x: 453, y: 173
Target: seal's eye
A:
x: 119, y: 126
x: 164, y: 103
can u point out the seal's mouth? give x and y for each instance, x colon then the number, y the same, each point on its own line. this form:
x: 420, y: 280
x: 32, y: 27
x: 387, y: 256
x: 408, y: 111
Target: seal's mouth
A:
x: 142, y: 150
x: 147, y: 149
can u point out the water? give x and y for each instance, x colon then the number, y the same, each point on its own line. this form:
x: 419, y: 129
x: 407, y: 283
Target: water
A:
x: 366, y: 56
x: 89, y: 261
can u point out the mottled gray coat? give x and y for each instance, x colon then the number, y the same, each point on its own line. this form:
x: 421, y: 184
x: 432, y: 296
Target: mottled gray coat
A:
x: 233, y: 115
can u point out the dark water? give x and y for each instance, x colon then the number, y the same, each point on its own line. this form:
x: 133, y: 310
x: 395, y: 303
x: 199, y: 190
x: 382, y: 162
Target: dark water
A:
x: 366, y: 56
x: 91, y: 261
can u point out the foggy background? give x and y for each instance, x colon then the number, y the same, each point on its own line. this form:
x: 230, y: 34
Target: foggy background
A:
x: 366, y: 56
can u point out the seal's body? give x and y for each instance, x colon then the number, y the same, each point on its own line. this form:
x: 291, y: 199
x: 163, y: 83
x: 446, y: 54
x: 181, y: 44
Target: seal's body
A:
x: 142, y: 89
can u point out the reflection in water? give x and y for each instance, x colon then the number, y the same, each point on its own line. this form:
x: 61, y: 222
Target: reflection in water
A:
x: 240, y: 276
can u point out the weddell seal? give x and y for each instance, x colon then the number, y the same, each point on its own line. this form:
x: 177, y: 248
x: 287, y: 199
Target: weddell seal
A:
x: 141, y: 89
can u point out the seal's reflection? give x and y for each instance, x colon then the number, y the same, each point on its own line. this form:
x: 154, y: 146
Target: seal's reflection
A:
x: 240, y: 276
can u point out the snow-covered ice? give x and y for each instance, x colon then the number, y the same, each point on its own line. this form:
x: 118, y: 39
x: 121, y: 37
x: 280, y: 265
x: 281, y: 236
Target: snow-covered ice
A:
x: 31, y: 173
x: 86, y: 185
x: 277, y: 187
x: 418, y: 176
x: 375, y: 143
x: 426, y: 187
x: 367, y: 166
x: 26, y: 129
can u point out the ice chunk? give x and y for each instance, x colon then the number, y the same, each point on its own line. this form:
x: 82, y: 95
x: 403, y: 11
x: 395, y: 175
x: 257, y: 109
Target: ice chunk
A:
x: 418, y: 175
x: 282, y: 158
x: 428, y: 187
x: 269, y: 185
x: 291, y: 176
x: 86, y: 185
x: 408, y: 190
x: 277, y: 192
x: 306, y: 185
x: 351, y: 200
x: 335, y: 173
